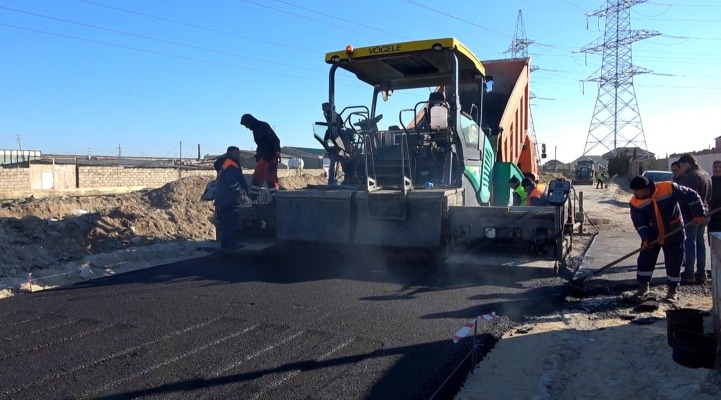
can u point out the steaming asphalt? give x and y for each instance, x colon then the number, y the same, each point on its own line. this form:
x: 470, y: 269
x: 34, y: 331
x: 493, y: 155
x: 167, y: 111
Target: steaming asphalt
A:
x: 291, y: 328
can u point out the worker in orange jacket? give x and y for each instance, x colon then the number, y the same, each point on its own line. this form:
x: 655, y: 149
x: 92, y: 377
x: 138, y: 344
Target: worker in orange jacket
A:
x: 535, y: 195
x: 655, y: 212
x: 229, y: 190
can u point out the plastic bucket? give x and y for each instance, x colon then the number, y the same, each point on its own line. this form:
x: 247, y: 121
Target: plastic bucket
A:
x: 694, y: 350
x: 684, y: 319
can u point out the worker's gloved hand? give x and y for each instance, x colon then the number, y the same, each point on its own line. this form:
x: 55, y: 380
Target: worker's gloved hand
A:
x: 645, y: 245
x: 244, y: 200
x: 699, y: 220
x: 277, y: 156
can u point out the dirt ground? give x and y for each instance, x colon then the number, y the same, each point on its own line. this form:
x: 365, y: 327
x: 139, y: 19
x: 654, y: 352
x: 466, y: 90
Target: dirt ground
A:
x: 604, y: 346
x: 59, y: 240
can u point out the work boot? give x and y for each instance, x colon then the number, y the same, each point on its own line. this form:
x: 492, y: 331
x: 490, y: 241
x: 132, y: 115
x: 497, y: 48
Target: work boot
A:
x: 672, y: 294
x: 700, y: 277
x: 688, y: 278
x: 643, y: 290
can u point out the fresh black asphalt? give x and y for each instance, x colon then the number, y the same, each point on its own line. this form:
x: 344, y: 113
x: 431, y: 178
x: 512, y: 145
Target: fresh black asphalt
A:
x: 306, y: 326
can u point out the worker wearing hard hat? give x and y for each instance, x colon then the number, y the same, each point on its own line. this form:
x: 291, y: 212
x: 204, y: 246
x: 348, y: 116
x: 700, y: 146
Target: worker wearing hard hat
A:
x: 536, y: 196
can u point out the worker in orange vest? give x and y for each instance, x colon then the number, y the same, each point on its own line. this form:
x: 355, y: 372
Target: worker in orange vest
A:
x: 536, y: 196
x: 230, y: 189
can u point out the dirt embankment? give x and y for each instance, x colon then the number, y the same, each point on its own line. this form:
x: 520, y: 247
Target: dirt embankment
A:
x: 55, y: 235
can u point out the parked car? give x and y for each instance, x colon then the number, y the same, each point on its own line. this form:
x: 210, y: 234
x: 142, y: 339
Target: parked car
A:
x: 658, y: 176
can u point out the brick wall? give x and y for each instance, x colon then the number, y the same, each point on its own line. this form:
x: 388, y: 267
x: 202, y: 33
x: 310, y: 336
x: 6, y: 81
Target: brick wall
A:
x: 14, y: 179
x: 96, y: 176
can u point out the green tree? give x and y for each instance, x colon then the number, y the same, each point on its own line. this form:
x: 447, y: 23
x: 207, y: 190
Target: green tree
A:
x: 618, y: 164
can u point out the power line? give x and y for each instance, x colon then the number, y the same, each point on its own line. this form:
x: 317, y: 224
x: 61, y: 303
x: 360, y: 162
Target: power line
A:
x: 394, y: 18
x: 683, y: 5
x: 160, y: 53
x: 574, y: 5
x: 341, y: 19
x: 156, y: 39
x: 195, y: 26
x: 689, y: 37
x: 311, y: 19
x: 458, y: 19
x: 679, y: 19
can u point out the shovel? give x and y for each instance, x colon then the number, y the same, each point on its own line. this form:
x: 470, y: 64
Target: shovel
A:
x: 599, y: 271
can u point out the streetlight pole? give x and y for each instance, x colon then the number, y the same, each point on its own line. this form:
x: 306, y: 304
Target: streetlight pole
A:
x: 555, y: 158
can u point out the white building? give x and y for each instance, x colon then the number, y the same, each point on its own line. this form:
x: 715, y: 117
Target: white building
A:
x: 705, y: 157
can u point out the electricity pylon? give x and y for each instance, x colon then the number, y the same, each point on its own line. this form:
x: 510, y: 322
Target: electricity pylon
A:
x: 616, y: 121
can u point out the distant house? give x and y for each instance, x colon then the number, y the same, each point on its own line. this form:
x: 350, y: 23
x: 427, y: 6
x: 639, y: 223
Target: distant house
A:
x: 601, y: 162
x: 640, y: 153
x: 555, y: 166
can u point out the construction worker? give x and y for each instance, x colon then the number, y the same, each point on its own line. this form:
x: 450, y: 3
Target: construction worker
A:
x: 536, y: 196
x: 694, y: 177
x: 229, y: 191
x: 534, y: 177
x: 676, y: 171
x: 519, y: 194
x: 267, y: 157
x: 654, y: 213
x: 599, y: 180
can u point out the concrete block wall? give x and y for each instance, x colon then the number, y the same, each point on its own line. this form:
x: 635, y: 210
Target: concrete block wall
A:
x: 15, y: 179
x: 97, y: 176
x: 22, y: 182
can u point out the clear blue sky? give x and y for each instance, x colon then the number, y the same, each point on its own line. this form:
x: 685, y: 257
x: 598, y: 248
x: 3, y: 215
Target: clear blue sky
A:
x: 81, y: 76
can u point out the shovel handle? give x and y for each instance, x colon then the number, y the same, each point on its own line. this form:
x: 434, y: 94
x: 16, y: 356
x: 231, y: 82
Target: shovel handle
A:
x: 612, y: 263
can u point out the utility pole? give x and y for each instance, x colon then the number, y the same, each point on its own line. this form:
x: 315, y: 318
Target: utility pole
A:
x: 616, y: 121
x: 555, y: 157
x: 120, y: 152
x: 198, y: 151
x: 181, y: 153
x: 20, y: 146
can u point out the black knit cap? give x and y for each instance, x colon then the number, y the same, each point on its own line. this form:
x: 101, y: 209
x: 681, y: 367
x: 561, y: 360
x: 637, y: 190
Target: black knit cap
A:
x: 527, y: 182
x: 639, y: 182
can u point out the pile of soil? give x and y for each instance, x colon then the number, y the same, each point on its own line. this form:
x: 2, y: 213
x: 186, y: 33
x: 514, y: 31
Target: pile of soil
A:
x: 39, y: 235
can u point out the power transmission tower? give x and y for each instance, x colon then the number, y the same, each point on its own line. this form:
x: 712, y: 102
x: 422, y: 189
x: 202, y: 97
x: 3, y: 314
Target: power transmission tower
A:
x: 616, y: 122
x: 519, y: 49
x: 520, y: 43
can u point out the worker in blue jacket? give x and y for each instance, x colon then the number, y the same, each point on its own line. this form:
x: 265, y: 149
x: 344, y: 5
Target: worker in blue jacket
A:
x: 230, y: 187
x: 655, y: 212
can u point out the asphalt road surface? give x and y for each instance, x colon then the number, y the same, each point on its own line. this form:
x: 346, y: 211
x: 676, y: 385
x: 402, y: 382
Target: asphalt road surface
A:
x: 296, y: 327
